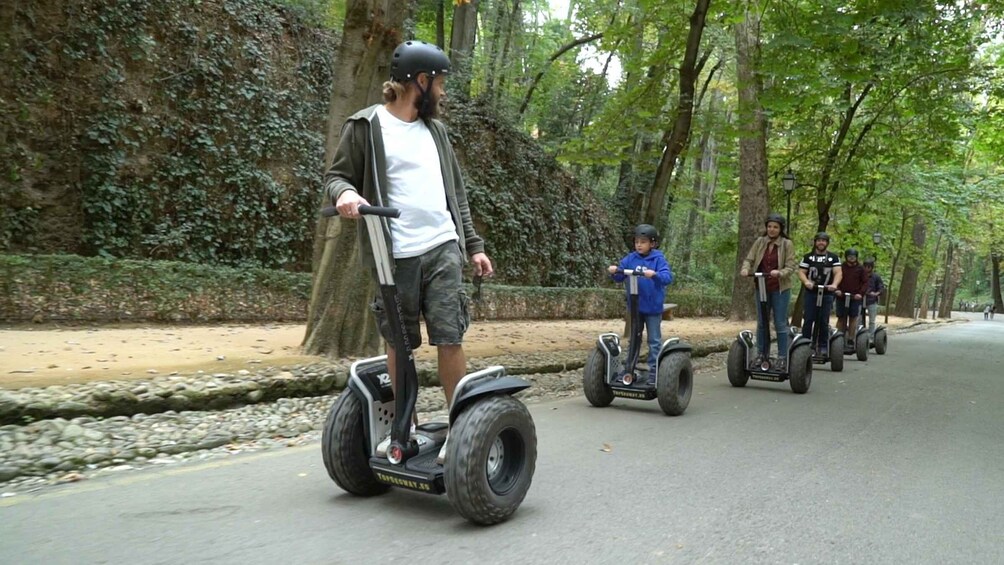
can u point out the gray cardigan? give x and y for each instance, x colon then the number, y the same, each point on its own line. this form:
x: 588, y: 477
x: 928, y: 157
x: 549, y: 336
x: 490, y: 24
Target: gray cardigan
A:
x: 360, y: 154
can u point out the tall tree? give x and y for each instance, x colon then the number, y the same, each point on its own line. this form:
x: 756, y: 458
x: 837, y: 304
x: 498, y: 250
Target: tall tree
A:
x: 462, y: 40
x: 911, y: 272
x: 339, y: 323
x: 753, y: 201
x: 675, y: 140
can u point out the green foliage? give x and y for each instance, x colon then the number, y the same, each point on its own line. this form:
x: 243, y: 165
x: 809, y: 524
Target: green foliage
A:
x: 177, y: 130
x: 73, y: 288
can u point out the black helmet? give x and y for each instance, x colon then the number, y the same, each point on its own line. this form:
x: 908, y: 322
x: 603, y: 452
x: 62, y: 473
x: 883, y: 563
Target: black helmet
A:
x: 647, y: 230
x: 869, y: 262
x: 412, y: 58
x: 851, y: 253
x: 822, y: 235
x: 779, y: 220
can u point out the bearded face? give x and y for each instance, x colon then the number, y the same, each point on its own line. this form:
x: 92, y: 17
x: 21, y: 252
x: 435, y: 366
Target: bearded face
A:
x: 430, y: 104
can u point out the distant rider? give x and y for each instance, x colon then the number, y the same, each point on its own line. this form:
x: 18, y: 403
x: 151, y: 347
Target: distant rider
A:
x: 876, y: 288
x: 774, y: 254
x: 819, y: 268
x: 855, y: 283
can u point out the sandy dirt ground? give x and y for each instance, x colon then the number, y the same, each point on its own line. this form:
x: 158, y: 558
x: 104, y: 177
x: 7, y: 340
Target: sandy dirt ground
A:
x: 47, y: 355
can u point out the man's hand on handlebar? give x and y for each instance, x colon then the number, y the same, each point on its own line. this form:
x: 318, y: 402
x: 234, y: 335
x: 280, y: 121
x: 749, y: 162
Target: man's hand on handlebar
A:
x: 348, y: 204
x: 612, y: 269
x: 744, y: 273
x: 775, y: 274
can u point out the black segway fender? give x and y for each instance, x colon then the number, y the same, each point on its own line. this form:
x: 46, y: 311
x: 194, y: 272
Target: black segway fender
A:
x: 370, y: 382
x: 745, y: 339
x: 610, y: 345
x: 500, y: 385
x: 797, y: 340
x: 672, y: 345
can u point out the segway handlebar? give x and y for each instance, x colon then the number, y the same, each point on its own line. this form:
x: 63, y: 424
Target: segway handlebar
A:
x: 365, y: 210
x: 636, y: 272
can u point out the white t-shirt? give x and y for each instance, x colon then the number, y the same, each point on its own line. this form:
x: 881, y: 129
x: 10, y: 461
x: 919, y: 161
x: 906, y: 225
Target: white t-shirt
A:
x: 416, y: 187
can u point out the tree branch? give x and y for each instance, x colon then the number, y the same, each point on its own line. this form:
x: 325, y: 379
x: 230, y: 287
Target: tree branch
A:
x: 564, y: 49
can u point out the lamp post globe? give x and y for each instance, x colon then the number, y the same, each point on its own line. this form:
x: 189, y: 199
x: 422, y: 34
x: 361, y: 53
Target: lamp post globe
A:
x: 789, y: 182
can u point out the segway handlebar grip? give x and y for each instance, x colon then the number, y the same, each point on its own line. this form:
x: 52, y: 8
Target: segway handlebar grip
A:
x: 365, y: 210
x: 384, y: 211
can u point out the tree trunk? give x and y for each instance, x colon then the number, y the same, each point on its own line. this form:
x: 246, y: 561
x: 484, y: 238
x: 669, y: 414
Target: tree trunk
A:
x: 995, y: 281
x: 950, y: 283
x: 703, y: 165
x: 339, y: 323
x: 465, y: 30
x: 515, y: 19
x: 441, y: 24
x: 752, y: 155
x: 911, y: 272
x: 675, y: 140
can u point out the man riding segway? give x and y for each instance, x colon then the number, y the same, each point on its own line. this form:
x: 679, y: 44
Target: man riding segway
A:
x: 819, y: 271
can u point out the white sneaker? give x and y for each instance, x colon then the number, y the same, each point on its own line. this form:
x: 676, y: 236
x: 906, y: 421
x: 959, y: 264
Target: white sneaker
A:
x: 441, y: 458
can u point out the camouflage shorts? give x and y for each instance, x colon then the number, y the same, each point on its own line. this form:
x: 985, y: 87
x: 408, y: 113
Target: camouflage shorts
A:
x: 430, y: 286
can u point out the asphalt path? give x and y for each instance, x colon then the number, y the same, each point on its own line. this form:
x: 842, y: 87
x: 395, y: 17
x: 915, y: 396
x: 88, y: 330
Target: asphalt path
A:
x: 896, y: 460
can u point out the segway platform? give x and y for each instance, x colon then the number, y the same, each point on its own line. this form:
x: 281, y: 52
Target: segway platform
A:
x: 421, y: 472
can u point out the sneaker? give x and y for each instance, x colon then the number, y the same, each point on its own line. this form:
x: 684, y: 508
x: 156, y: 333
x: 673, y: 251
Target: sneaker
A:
x: 781, y: 365
x: 441, y: 458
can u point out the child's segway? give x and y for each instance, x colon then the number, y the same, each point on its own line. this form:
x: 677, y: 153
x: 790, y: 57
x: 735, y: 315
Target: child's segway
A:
x: 604, y: 377
x: 742, y: 365
x: 836, y: 337
x: 492, y: 448
x: 877, y: 338
x: 859, y: 346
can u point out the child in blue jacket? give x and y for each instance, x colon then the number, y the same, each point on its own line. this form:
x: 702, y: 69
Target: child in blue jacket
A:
x: 651, y: 288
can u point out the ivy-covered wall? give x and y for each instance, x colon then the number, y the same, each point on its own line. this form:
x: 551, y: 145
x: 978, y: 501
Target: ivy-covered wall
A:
x: 192, y: 130
x: 542, y: 227
x: 174, y: 129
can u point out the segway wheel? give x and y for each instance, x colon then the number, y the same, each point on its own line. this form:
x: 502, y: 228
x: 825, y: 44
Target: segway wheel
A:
x: 344, y: 448
x: 737, y: 365
x: 861, y: 346
x: 675, y: 383
x: 837, y: 353
x: 800, y: 369
x: 881, y: 342
x: 490, y: 459
x: 594, y: 380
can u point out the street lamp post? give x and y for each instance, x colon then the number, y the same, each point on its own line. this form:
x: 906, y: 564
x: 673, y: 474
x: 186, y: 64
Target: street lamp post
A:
x: 789, y: 183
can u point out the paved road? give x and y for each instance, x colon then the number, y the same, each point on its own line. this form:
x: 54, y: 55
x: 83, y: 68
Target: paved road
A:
x: 895, y: 461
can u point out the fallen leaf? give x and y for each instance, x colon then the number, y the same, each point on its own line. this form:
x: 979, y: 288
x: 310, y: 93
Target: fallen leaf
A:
x: 607, y: 448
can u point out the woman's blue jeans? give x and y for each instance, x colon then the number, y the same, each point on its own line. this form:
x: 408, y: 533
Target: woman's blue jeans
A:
x: 777, y: 301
